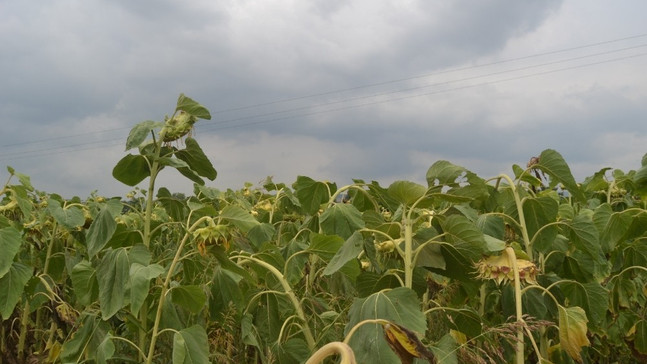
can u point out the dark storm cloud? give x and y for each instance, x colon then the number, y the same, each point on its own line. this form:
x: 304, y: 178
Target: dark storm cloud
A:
x: 266, y: 70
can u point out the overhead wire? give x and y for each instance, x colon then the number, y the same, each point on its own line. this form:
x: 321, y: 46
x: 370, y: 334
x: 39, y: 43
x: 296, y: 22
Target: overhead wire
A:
x: 342, y: 90
x: 218, y: 127
x: 436, y: 73
x: 363, y: 97
x: 220, y: 124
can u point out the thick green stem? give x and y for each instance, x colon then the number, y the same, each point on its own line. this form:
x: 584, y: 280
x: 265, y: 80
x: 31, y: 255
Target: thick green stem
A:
x: 352, y: 331
x: 165, y: 285
x: 293, y: 298
x: 149, y: 203
x: 148, y: 217
x: 518, y: 305
x: 24, y: 321
x: 3, y: 341
x: 522, y: 219
x: 50, y: 248
x: 143, y: 313
x: 344, y: 351
x: 482, y: 297
x: 408, y: 252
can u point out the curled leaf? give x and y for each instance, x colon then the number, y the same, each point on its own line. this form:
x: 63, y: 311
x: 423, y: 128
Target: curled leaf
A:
x: 572, y: 331
x: 405, y: 344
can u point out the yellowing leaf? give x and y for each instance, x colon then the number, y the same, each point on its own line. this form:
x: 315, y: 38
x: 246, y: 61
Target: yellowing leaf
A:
x: 405, y: 343
x: 572, y: 331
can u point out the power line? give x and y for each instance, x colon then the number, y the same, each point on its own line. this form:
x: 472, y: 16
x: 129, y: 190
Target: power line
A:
x: 94, y: 145
x: 363, y: 97
x: 58, y: 149
x: 338, y: 91
x: 428, y: 93
x: 326, y: 93
x: 63, y: 137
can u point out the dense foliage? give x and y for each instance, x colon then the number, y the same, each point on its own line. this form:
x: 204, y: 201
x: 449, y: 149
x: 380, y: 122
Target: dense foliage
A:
x: 532, y: 267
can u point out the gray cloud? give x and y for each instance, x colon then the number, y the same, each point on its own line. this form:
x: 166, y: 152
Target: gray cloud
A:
x: 93, y: 69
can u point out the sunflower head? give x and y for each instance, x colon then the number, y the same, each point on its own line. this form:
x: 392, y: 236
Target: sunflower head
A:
x: 499, y: 268
x: 177, y: 126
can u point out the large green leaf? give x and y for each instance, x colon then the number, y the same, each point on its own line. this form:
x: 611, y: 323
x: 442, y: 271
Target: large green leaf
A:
x: 140, y: 132
x: 239, y: 217
x: 267, y: 317
x: 429, y: 255
x: 261, y: 233
x: 597, y: 182
x: 640, y: 177
x: 325, y: 246
x: 10, y: 240
x: 22, y: 199
x: 100, y: 231
x: 12, y: 285
x: 592, y: 297
x: 105, y: 350
x: 636, y: 254
x: 84, y: 282
x: 190, y: 346
x: 400, y: 305
x: 196, y: 159
x: 292, y: 351
x: 553, y: 164
x: 173, y: 162
x: 464, y: 236
x: 579, y: 266
x: 640, y: 337
x: 572, y: 331
x: 112, y: 275
x: 465, y: 320
x: 131, y: 169
x: 70, y: 217
x: 342, y: 220
x: 533, y: 302
x: 85, y: 341
x: 538, y: 212
x: 612, y: 226
x: 456, y: 180
x: 191, y: 298
x: 622, y: 291
x: 248, y: 332
x: 140, y: 277
x: 174, y: 207
x: 350, y: 250
x: 24, y: 179
x: 311, y: 194
x: 224, y: 291
x: 190, y: 174
x: 369, y: 282
x: 492, y: 225
x: 192, y: 107
x: 584, y: 236
x: 139, y: 254
x: 406, y: 192
x: 445, y: 350
x: 225, y: 263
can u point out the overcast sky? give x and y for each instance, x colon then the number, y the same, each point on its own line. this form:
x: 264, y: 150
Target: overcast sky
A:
x: 331, y: 89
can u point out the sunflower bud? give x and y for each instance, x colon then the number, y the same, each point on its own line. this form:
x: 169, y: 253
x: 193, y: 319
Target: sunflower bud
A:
x: 211, y: 234
x: 178, y: 126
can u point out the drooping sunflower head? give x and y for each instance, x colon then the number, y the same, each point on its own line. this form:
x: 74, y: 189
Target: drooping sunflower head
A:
x: 499, y: 268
